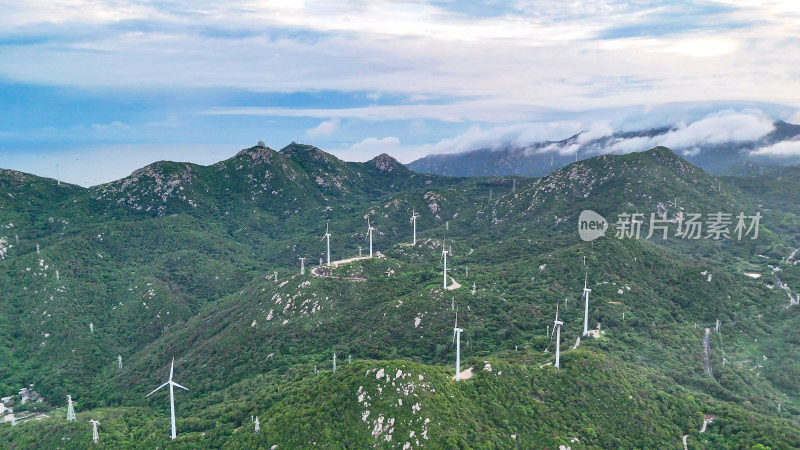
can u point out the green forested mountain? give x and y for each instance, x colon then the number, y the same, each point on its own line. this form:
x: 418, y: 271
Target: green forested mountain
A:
x: 178, y: 260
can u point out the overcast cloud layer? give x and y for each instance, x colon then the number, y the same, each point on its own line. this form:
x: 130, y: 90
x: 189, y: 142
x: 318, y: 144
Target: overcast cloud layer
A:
x: 114, y: 78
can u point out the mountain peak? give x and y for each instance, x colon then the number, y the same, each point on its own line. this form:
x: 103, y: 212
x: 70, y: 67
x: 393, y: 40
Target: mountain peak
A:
x: 306, y: 151
x: 259, y: 153
x: 385, y: 163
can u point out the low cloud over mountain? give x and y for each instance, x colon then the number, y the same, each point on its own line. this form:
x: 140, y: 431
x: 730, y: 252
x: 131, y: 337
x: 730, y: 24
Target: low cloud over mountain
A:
x: 715, y: 142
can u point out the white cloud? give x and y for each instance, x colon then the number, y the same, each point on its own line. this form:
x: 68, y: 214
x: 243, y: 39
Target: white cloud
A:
x: 519, y: 135
x: 325, y: 128
x: 715, y: 128
x: 795, y: 119
x: 596, y: 130
x: 109, y: 127
x: 373, y: 146
x: 786, y: 149
x: 476, y: 110
x: 703, y: 48
x: 724, y: 126
x: 538, y: 53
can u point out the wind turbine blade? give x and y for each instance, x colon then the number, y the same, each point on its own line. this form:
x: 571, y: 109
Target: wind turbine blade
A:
x: 454, y: 336
x: 171, y: 367
x: 154, y: 390
x: 178, y: 385
x: 323, y: 238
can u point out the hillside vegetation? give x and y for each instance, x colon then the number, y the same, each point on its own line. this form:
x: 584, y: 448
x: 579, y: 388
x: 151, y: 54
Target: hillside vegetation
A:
x: 179, y: 260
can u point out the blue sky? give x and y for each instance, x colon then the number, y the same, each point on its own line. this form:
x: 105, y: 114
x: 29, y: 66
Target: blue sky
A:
x: 102, y: 87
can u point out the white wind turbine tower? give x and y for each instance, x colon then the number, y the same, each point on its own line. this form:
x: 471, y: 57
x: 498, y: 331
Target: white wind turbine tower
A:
x: 334, y: 363
x: 370, y: 229
x: 95, y: 436
x: 473, y: 288
x: 119, y: 360
x: 171, y: 385
x: 557, y: 325
x: 457, y: 339
x: 276, y: 276
x: 70, y: 410
x: 302, y: 266
x: 359, y: 251
x: 586, y: 292
x: 414, y: 221
x: 258, y: 426
x: 444, y: 259
x: 328, y: 237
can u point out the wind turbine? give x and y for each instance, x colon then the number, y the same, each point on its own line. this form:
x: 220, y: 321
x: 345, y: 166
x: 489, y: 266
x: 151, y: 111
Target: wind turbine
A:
x: 473, y: 288
x: 91, y: 327
x: 369, y: 230
x: 359, y: 251
x: 276, y: 276
x: 302, y: 266
x: 444, y: 258
x: 334, y: 363
x: 258, y: 426
x: 70, y: 410
x: 171, y: 385
x: 119, y: 360
x: 457, y: 340
x: 557, y: 325
x: 414, y: 220
x: 95, y: 436
x: 328, y: 237
x: 586, y: 291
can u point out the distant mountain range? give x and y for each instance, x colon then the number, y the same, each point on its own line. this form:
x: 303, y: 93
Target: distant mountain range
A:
x: 543, y: 157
